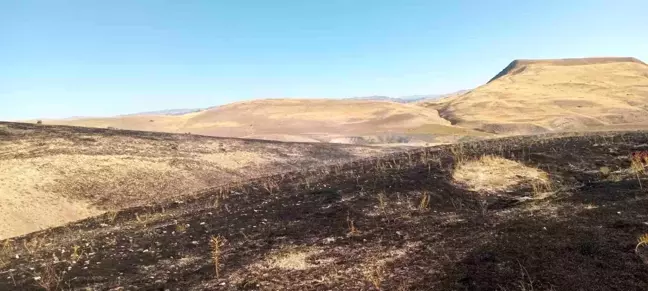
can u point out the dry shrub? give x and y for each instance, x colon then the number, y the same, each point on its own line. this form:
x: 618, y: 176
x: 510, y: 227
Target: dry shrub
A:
x: 375, y: 275
x: 6, y: 252
x: 49, y: 278
x: 492, y: 174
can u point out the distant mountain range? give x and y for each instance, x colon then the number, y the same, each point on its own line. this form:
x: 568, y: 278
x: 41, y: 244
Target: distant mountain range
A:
x: 402, y: 99
x: 409, y: 98
x: 168, y: 112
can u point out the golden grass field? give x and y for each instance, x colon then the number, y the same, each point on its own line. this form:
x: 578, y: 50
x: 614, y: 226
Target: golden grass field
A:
x: 304, y: 120
x: 555, y: 95
x: 52, y: 175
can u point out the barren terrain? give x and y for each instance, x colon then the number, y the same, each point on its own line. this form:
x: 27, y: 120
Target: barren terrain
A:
x: 536, y: 96
x: 548, y: 212
x: 51, y: 175
x: 304, y: 120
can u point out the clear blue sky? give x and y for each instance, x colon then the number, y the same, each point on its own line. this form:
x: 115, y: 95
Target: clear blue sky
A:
x: 99, y: 58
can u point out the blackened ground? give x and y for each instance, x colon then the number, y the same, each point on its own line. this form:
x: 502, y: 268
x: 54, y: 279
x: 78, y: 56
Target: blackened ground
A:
x: 366, y: 225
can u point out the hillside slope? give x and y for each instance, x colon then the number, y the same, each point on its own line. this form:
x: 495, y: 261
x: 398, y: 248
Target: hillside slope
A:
x: 408, y: 221
x: 289, y: 119
x: 51, y: 175
x: 532, y: 96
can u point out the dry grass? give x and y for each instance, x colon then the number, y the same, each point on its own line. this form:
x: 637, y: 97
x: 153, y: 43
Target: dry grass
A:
x: 375, y: 275
x: 536, y: 96
x: 6, y: 252
x: 291, y: 258
x: 638, y: 167
x: 49, y: 278
x: 52, y: 175
x: 641, y: 248
x: 425, y: 201
x: 216, y: 243
x: 491, y: 174
x: 289, y: 120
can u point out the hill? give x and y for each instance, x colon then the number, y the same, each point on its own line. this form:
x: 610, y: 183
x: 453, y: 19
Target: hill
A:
x: 51, y: 175
x: 535, y: 96
x: 168, y: 112
x: 295, y: 120
x: 522, y: 213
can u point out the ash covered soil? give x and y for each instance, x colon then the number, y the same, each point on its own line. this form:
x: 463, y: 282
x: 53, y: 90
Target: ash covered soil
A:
x: 400, y: 222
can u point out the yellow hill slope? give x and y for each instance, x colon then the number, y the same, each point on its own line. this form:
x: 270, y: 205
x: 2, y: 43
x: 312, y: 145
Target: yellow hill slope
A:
x: 51, y: 175
x: 289, y: 119
x: 553, y: 95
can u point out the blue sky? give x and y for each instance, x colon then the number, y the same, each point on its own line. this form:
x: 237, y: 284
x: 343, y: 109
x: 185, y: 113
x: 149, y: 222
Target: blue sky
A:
x: 100, y: 58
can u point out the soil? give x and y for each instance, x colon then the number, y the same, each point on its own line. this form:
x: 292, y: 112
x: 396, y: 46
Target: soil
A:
x: 393, y: 223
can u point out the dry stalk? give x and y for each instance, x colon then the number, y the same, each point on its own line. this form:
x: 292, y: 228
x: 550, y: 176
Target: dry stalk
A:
x: 375, y: 275
x: 351, y: 225
x: 49, y: 279
x: 216, y: 243
x: 425, y: 201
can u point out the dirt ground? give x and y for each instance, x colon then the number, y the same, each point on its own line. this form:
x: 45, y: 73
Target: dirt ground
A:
x: 395, y: 223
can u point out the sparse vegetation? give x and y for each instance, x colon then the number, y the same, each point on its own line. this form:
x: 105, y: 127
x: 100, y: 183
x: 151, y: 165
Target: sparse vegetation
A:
x: 49, y: 278
x: 351, y: 225
x: 54, y: 175
x: 6, y: 252
x: 320, y: 236
x: 375, y: 274
x: 638, y: 161
x: 642, y: 241
x: 216, y: 243
x: 425, y: 201
x: 76, y: 254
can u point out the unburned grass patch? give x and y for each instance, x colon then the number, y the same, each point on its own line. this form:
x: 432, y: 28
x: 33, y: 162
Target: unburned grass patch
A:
x: 492, y: 174
x: 291, y: 258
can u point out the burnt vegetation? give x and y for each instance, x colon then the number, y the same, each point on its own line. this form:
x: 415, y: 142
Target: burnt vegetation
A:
x: 398, y: 222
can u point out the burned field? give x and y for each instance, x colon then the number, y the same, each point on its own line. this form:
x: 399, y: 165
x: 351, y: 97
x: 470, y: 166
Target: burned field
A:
x: 401, y: 222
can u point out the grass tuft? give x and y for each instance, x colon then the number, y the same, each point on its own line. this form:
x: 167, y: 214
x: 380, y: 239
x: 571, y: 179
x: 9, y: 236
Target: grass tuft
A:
x: 642, y: 241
